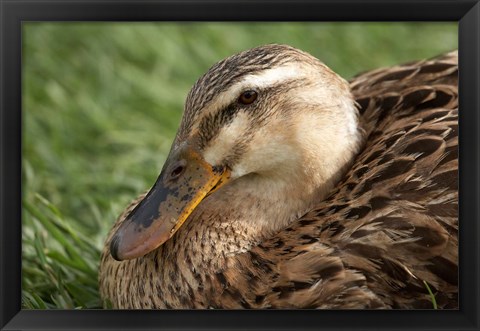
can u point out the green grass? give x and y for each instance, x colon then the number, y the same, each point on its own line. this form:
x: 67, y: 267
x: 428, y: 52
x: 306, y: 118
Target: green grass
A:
x: 101, y: 104
x: 432, y: 295
x: 59, y: 261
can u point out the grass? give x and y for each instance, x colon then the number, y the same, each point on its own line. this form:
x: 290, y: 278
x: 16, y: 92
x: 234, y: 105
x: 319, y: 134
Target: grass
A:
x: 59, y: 261
x: 432, y: 295
x: 101, y: 104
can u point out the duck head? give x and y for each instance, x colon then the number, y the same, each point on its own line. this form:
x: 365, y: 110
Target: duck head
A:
x: 271, y: 119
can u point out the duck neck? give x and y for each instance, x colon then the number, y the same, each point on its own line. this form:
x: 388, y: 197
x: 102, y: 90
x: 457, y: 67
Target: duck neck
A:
x: 238, y: 216
x: 243, y: 214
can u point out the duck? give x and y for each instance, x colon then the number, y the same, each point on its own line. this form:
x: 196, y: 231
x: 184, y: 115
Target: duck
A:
x: 289, y: 187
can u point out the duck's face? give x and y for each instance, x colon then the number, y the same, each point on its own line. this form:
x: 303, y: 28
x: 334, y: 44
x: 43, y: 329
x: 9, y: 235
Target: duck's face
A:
x: 272, y: 111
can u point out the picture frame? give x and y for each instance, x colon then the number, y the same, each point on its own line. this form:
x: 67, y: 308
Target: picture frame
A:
x: 14, y: 13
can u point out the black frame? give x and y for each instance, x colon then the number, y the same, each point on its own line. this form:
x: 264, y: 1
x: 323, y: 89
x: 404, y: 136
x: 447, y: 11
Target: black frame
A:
x: 14, y: 12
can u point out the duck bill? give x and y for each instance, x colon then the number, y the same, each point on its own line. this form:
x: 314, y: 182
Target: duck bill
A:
x: 186, y: 179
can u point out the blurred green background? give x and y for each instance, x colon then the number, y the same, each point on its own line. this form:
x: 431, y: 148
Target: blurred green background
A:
x: 101, y: 104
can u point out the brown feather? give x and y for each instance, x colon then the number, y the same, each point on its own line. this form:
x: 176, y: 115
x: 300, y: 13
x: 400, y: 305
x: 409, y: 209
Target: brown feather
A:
x: 390, y: 225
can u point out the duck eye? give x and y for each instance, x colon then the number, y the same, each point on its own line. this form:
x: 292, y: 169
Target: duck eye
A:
x: 247, y: 97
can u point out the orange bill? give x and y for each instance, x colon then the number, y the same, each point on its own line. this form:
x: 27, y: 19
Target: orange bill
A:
x: 186, y: 179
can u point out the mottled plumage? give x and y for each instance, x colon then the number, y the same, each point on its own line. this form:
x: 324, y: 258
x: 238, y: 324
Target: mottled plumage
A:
x: 386, y: 225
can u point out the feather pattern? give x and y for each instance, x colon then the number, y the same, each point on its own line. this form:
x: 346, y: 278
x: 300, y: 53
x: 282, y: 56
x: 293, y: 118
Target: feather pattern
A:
x: 389, y: 226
